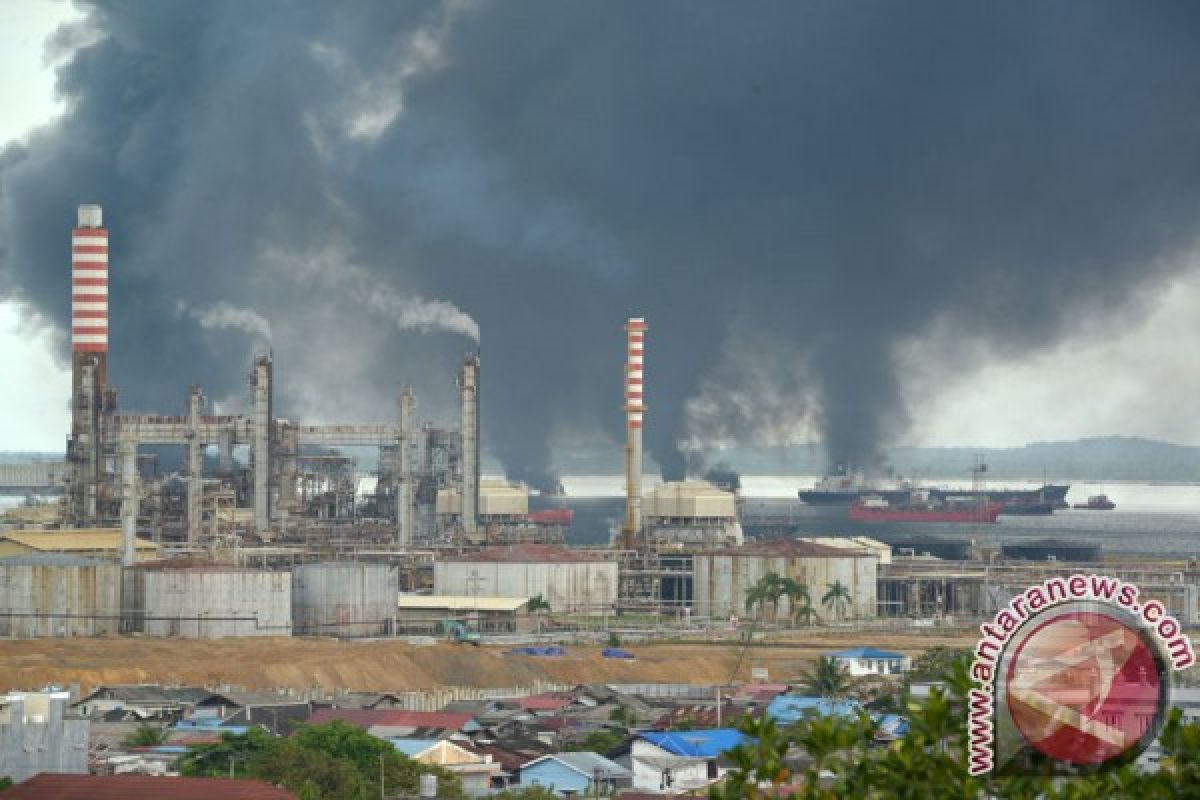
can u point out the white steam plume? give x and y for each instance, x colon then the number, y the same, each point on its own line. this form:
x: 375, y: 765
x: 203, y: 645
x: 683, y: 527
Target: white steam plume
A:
x: 224, y: 316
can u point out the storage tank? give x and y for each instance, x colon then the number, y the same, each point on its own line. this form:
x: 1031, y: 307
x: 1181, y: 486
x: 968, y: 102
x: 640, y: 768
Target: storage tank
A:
x: 343, y: 598
x: 58, y: 595
x: 209, y: 602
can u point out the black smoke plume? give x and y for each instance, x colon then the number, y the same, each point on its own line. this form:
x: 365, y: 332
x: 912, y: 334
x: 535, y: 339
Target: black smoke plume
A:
x: 371, y: 179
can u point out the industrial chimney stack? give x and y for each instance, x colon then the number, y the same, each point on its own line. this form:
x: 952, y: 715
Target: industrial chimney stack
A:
x: 468, y: 386
x: 90, y: 398
x: 635, y: 332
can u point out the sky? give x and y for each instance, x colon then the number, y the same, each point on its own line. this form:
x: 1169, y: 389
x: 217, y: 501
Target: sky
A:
x: 451, y: 185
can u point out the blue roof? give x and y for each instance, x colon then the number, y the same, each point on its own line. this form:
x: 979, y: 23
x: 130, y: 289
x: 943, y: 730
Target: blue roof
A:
x: 788, y: 708
x: 893, y: 725
x: 413, y: 747
x: 700, y: 744
x: 869, y: 652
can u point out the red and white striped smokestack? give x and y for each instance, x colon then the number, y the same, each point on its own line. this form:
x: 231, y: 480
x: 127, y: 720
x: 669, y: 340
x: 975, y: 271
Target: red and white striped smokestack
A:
x: 635, y: 332
x: 89, y: 282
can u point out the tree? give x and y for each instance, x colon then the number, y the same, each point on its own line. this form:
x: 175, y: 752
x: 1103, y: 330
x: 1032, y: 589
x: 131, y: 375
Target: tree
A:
x: 335, y: 761
x: 827, y: 678
x: 930, y: 760
x: 768, y: 589
x: 837, y: 598
x: 537, y: 603
x: 798, y: 599
x: 600, y: 741
x: 146, y: 735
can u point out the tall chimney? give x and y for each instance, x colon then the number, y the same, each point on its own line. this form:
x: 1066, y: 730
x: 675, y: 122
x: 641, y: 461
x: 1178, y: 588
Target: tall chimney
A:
x: 89, y: 360
x: 404, y: 484
x: 635, y: 334
x: 261, y: 448
x: 468, y: 386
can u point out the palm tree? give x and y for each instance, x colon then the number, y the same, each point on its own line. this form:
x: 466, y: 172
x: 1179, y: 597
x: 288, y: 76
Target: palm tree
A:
x: 827, y: 678
x: 837, y: 598
x: 538, y: 606
x: 806, y: 613
x: 756, y: 597
x: 797, y: 595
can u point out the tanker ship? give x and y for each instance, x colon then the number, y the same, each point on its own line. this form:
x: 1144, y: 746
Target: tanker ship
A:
x: 844, y: 488
x: 922, y: 507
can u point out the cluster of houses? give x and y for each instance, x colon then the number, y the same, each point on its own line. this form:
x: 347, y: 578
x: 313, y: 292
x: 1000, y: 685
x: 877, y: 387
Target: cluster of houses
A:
x: 582, y: 740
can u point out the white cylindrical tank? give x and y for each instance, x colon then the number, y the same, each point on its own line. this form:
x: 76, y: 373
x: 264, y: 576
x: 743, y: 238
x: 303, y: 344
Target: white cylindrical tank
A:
x: 210, y: 602
x: 343, y: 598
x: 57, y: 595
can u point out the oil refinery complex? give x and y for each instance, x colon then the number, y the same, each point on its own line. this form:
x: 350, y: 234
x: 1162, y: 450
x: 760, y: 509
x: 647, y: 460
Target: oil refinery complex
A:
x: 275, y: 535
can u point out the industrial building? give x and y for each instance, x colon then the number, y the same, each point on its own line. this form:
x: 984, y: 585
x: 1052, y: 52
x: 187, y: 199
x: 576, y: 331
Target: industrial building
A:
x: 691, y: 513
x: 722, y: 578
x: 420, y: 613
x: 570, y: 580
x: 176, y: 598
x: 100, y: 543
x: 343, y: 598
x: 296, y: 483
x: 37, y: 735
x: 52, y: 595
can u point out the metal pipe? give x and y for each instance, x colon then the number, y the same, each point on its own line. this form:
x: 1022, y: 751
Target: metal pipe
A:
x: 261, y: 381
x: 129, y: 499
x: 195, y: 454
x: 404, y: 487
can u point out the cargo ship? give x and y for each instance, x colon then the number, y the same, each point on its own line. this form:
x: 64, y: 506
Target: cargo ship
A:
x: 844, y: 488
x: 922, y: 508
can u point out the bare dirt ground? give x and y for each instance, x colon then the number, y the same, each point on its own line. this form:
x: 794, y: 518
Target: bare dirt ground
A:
x: 397, y: 665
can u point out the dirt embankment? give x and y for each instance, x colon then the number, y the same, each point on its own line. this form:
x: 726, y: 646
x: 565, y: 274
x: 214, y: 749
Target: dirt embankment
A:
x: 397, y: 665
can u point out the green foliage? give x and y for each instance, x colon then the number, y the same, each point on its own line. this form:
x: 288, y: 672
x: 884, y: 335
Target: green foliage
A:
x: 934, y: 662
x: 335, y: 761
x: 837, y: 598
x: 600, y: 741
x: 146, y: 735
x: 771, y: 588
x: 613, y: 639
x: 841, y: 759
x: 5, y: 783
x: 827, y: 678
x: 685, y: 724
x: 527, y: 793
x: 538, y: 603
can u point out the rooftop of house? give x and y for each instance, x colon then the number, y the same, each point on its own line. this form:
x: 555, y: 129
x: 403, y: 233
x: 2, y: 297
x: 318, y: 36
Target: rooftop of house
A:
x: 707, y: 743
x: 50, y: 786
x: 393, y: 718
x: 586, y: 763
x: 873, y: 653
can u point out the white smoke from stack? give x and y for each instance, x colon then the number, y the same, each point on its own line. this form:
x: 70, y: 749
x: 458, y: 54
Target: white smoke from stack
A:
x: 224, y: 316
x: 331, y: 269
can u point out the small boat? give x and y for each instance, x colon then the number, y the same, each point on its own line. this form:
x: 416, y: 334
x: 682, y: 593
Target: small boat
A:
x: 1097, y: 502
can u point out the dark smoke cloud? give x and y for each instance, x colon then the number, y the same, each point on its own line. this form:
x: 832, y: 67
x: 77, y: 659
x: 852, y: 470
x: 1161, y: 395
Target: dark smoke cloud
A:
x: 838, y: 176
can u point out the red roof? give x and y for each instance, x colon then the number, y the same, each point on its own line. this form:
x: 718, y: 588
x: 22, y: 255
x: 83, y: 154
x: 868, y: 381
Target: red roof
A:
x: 547, y: 701
x: 392, y: 718
x: 534, y: 553
x: 48, y: 786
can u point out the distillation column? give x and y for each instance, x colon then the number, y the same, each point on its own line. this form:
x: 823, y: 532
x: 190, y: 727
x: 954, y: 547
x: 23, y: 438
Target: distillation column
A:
x: 404, y: 486
x: 635, y: 333
x: 261, y: 381
x: 468, y: 385
x: 195, y: 470
x: 129, y: 499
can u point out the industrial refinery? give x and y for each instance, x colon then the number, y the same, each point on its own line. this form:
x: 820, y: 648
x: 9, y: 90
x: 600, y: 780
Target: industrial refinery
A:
x: 272, y: 526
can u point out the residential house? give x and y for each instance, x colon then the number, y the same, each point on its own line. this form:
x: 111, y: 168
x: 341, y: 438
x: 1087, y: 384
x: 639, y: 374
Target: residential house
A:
x: 578, y: 773
x: 871, y: 661
x: 476, y: 771
x: 37, y: 735
x: 681, y: 761
x: 140, y: 702
x: 395, y: 724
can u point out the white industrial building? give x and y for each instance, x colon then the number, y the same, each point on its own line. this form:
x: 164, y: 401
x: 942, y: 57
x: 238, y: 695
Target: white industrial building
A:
x: 499, y: 500
x: 570, y: 580
x: 722, y: 577
x: 692, y: 512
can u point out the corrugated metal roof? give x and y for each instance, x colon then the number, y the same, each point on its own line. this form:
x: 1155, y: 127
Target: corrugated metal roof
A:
x: 81, y: 539
x: 586, y: 763
x: 697, y: 744
x: 395, y: 718
x: 415, y: 602
x: 53, y: 560
x: 534, y: 554
x: 869, y: 652
x: 48, y: 786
